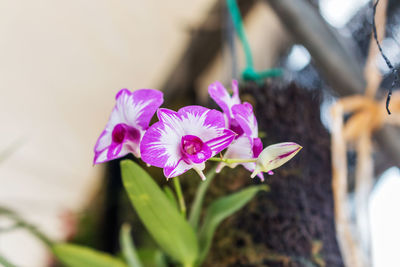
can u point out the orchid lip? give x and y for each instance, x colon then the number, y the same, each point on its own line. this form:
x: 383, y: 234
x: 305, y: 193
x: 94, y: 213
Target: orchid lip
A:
x: 235, y: 127
x: 121, y: 132
x: 123, y: 136
x: 194, y: 149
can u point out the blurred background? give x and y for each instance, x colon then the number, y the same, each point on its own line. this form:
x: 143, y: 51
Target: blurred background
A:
x: 62, y: 62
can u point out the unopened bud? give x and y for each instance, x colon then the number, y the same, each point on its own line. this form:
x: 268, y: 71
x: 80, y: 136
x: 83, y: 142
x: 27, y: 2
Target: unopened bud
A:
x: 274, y: 156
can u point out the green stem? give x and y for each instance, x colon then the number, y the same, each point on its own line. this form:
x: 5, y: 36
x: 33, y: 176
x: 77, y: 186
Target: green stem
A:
x: 231, y: 161
x: 195, y: 209
x: 179, y: 194
x: 128, y: 248
x: 10, y: 228
x: 31, y: 228
x: 4, y: 262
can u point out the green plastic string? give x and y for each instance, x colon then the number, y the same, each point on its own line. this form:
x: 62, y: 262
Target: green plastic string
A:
x: 249, y: 73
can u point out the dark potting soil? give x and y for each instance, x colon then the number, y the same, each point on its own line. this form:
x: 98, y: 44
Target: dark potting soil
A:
x: 293, y: 224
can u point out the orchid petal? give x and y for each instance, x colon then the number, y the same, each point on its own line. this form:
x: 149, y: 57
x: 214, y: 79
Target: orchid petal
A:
x: 132, y: 112
x: 178, y: 169
x: 114, y: 150
x: 239, y: 149
x: 146, y: 101
x: 257, y: 147
x: 251, y: 166
x: 202, y: 122
x: 221, y: 142
x: 160, y: 145
x: 100, y: 148
x: 136, y: 108
x: 243, y: 114
x: 183, y: 167
x: 199, y: 169
x: 221, y: 96
x: 275, y: 156
x: 235, y: 89
x: 167, y: 115
x: 212, y: 118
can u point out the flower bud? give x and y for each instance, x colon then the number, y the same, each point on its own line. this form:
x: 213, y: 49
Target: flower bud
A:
x: 274, y: 156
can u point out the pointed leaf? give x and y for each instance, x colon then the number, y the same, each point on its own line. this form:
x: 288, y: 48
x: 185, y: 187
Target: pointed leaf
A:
x: 128, y: 247
x: 171, y: 196
x: 197, y: 204
x: 80, y: 256
x: 163, y: 221
x: 221, y: 209
x: 152, y: 257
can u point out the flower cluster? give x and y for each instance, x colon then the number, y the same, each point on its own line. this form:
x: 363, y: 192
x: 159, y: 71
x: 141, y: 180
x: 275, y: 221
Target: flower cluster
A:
x: 240, y: 119
x: 185, y: 139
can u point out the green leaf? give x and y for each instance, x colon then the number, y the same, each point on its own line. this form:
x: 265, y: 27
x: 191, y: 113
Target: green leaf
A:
x: 198, y: 200
x: 128, y: 247
x: 79, y: 256
x: 152, y: 257
x: 220, y: 210
x: 163, y: 221
x: 171, y: 196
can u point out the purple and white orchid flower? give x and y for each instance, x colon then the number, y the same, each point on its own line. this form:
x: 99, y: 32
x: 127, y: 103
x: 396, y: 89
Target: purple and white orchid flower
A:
x: 129, y: 120
x: 185, y: 139
x: 248, y: 145
x: 241, y: 120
